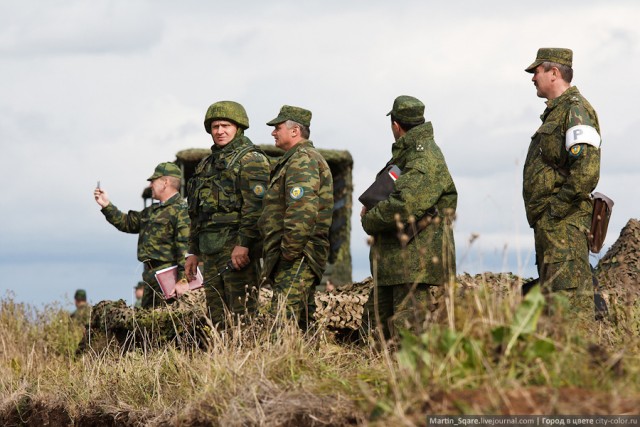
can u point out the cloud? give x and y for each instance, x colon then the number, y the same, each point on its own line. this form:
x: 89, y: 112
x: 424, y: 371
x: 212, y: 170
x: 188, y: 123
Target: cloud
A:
x: 78, y: 28
x: 106, y: 90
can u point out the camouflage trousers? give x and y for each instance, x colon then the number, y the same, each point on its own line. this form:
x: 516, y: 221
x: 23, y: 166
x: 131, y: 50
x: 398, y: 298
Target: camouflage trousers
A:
x: 152, y: 296
x: 572, y: 306
x: 562, y: 256
x: 232, y: 291
x: 295, y: 284
x: 405, y: 306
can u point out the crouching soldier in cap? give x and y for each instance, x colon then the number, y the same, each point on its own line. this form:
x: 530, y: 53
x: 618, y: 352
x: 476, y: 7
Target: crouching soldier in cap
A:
x: 411, y: 272
x: 162, y: 228
x: 561, y: 170
x: 139, y: 291
x: 82, y: 313
x: 296, y: 218
x: 225, y: 201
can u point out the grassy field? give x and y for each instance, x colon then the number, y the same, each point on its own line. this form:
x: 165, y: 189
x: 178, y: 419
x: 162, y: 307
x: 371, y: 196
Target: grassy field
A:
x: 493, y: 353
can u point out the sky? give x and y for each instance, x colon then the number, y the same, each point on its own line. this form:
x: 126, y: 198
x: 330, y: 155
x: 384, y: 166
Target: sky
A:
x: 105, y: 90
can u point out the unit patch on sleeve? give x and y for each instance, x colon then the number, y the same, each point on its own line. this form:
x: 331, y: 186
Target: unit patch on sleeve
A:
x: 258, y: 190
x: 296, y: 193
x: 576, y: 150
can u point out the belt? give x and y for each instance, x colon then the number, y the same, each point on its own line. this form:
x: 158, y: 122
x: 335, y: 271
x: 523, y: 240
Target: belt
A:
x: 151, y: 264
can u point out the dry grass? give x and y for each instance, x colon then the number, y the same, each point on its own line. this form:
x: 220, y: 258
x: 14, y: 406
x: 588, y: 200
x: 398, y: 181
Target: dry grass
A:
x: 492, y: 354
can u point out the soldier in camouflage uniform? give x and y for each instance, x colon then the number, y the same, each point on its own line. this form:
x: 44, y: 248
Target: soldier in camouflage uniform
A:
x: 139, y: 292
x: 82, y: 313
x: 561, y: 170
x: 225, y: 201
x: 410, y: 274
x: 163, y: 228
x: 297, y: 216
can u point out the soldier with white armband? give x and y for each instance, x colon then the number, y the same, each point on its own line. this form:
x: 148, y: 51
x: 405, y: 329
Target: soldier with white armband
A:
x: 560, y: 173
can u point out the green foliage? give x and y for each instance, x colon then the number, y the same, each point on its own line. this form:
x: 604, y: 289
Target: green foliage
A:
x: 443, y: 354
x: 274, y: 371
x: 521, y: 333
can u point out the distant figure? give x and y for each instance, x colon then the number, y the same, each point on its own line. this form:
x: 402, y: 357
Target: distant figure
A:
x: 225, y: 201
x: 411, y: 272
x: 561, y: 170
x: 163, y: 228
x: 139, y: 292
x: 297, y: 215
x: 82, y: 313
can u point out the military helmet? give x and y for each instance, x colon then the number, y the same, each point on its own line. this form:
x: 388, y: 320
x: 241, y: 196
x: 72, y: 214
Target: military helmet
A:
x: 226, y: 110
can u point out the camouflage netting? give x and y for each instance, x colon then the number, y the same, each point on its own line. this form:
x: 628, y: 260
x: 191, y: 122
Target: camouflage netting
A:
x: 115, y: 319
x: 344, y: 307
x: 501, y: 282
x: 618, y: 272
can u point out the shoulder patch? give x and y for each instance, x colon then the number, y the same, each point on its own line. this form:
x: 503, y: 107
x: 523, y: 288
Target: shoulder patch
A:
x: 296, y: 193
x: 259, y: 190
x: 576, y: 150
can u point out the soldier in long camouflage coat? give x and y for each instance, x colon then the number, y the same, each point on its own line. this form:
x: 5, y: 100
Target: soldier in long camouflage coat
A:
x: 163, y: 228
x: 410, y: 274
x: 297, y: 216
x: 225, y: 201
x: 561, y: 170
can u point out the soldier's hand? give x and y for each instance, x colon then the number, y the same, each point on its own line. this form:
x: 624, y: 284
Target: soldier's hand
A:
x: 240, y: 257
x: 363, y: 212
x: 191, y: 267
x: 101, y: 196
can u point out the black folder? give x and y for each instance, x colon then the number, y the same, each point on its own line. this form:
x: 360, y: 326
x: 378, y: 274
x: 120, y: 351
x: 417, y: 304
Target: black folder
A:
x: 382, y: 188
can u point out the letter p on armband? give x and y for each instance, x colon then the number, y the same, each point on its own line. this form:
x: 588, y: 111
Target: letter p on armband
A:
x: 582, y: 134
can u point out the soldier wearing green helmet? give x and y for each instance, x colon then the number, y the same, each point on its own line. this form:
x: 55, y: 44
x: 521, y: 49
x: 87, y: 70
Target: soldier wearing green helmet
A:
x: 225, y: 202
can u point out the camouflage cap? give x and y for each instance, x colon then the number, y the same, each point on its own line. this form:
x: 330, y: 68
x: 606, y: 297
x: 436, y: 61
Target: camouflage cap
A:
x: 80, y: 295
x: 166, y: 169
x: 296, y: 114
x: 551, y: 54
x: 140, y: 285
x: 408, y: 109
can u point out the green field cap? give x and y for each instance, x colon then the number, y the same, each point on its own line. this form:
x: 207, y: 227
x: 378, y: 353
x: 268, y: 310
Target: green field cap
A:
x: 166, y: 169
x: 408, y: 109
x: 551, y: 54
x: 296, y: 114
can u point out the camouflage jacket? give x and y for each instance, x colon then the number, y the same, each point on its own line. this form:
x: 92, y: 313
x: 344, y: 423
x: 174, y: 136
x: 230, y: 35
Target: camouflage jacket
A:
x: 163, y: 230
x: 425, y: 182
x: 557, y: 181
x: 225, y: 197
x: 82, y: 315
x: 298, y: 209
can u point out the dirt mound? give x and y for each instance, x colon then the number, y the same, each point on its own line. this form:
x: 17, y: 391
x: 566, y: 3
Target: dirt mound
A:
x: 295, y: 408
x: 532, y: 401
x: 619, y: 269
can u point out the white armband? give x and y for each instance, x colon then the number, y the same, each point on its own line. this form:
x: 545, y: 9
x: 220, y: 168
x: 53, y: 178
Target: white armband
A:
x: 582, y: 134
